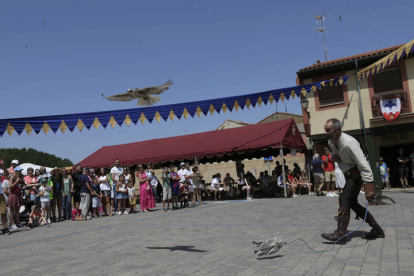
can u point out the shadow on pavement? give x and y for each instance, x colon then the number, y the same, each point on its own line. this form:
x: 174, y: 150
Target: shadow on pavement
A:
x: 179, y: 248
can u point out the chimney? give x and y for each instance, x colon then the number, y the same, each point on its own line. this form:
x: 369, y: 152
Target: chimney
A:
x: 318, y: 61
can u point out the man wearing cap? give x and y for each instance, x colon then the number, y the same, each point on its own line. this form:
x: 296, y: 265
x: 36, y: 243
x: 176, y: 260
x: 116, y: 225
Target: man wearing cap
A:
x: 347, y: 152
x: 182, y: 173
x: 85, y: 192
x: 14, y: 164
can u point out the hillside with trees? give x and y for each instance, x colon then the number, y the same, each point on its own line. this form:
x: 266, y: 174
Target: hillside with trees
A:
x: 33, y: 156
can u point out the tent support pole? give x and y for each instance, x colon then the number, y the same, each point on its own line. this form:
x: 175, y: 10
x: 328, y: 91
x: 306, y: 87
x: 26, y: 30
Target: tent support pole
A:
x: 283, y: 169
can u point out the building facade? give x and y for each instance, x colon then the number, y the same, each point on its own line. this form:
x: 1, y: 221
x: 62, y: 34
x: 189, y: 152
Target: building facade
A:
x: 342, y: 102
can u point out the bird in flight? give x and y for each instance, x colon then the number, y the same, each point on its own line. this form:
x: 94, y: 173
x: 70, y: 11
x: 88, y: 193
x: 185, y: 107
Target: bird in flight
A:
x: 144, y: 95
x: 43, y: 23
x: 340, y: 18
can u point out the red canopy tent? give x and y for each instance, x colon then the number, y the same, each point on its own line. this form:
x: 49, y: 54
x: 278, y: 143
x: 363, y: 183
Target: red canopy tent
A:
x: 241, y: 140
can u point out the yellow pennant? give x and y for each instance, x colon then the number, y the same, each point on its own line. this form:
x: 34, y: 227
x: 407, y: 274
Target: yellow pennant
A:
x: 96, y: 123
x: 63, y: 127
x: 211, y: 109
x: 157, y: 116
x: 259, y: 101
x: 248, y: 104
x: 236, y: 105
x: 112, y: 122
x: 127, y: 120
x: 282, y: 96
x: 45, y: 127
x: 185, y: 113
x: 80, y: 125
x: 142, y: 118
x: 172, y: 115
x: 224, y: 108
x: 9, y: 129
x: 199, y: 111
x: 28, y: 128
x: 271, y: 99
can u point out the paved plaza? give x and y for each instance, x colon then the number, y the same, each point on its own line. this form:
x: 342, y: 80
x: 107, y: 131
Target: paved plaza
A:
x: 216, y: 239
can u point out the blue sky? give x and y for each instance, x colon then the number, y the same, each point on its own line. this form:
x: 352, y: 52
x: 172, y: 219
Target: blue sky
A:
x: 210, y: 49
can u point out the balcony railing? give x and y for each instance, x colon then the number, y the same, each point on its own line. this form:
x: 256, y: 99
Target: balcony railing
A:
x: 375, y: 102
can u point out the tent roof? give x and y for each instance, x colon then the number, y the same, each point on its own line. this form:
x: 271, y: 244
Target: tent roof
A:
x: 205, y: 144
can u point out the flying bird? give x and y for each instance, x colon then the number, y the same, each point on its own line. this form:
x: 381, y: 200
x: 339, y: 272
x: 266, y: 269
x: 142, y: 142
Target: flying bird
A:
x: 145, y: 95
x: 43, y: 23
x: 340, y: 18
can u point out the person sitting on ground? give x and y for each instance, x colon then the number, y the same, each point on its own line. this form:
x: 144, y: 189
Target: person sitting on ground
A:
x: 184, y: 192
x: 217, y: 186
x: 77, y: 213
x: 36, y: 217
x: 132, y: 200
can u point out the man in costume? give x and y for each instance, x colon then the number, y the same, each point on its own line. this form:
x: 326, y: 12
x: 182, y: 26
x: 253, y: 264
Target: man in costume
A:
x: 351, y: 160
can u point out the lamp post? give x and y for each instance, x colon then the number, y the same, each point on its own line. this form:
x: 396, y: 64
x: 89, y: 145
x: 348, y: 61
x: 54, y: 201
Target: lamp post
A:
x: 304, y: 102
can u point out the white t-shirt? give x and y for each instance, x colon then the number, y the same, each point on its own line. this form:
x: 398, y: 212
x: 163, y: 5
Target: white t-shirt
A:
x: 154, y: 181
x: 215, y: 183
x: 45, y: 197
x: 5, y: 184
x: 131, y: 191
x: 183, y: 173
x: 105, y: 185
x: 117, y: 171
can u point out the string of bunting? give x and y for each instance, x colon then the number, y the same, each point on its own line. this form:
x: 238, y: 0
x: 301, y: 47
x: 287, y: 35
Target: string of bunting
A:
x: 402, y: 52
x: 164, y: 112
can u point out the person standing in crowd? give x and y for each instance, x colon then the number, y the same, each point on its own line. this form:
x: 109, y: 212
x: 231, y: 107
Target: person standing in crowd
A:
x: 182, y: 173
x: 3, y: 210
x: 384, y: 172
x: 15, y: 198
x: 44, y: 192
x: 14, y: 164
x: 189, y: 172
x: 402, y: 168
x: 106, y: 191
x: 197, y: 180
x: 96, y: 198
x: 68, y: 187
x: 154, y: 180
x: 85, y: 192
x: 31, y: 185
x: 175, y: 186
x: 127, y: 174
x: 147, y: 200
x: 350, y: 158
x: 57, y: 193
x: 317, y: 167
x: 166, y: 189
x: 116, y: 172
x: 6, y: 190
x: 76, y: 188
x: 340, y: 178
x: 412, y: 163
x: 329, y: 169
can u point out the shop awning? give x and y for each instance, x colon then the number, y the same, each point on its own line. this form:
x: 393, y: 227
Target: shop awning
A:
x: 206, y: 144
x: 387, y: 61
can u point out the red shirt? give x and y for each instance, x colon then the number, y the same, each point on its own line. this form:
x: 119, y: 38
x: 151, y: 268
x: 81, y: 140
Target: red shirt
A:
x: 290, y: 177
x: 329, y: 166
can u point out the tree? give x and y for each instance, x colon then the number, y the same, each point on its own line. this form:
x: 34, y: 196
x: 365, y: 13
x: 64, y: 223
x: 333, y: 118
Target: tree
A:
x: 33, y: 156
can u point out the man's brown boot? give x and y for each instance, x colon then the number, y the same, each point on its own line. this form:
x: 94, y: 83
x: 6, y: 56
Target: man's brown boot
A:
x: 343, y: 221
x: 376, y: 231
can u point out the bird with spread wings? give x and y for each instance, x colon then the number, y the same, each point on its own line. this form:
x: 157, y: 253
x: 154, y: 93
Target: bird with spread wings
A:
x: 145, y: 95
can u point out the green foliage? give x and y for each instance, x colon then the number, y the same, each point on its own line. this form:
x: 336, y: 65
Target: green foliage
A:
x: 33, y: 156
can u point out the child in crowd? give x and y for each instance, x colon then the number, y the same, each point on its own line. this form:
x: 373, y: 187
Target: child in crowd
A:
x: 184, y: 191
x: 132, y: 201
x: 121, y: 195
x: 44, y: 192
x: 166, y: 189
x: 36, y: 217
x: 96, y: 198
x: 77, y: 213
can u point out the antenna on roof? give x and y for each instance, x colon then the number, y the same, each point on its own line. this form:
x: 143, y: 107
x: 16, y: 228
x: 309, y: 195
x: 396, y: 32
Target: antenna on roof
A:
x: 321, y: 29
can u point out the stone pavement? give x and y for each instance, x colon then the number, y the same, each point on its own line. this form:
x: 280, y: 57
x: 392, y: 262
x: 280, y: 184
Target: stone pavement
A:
x: 216, y: 239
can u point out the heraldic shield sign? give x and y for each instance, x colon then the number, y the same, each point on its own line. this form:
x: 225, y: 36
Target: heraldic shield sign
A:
x: 391, y: 109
